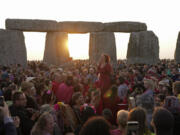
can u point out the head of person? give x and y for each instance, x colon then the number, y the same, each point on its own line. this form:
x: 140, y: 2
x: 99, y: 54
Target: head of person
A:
x: 162, y: 121
x: 48, y: 97
x: 138, y: 114
x: 149, y: 84
x: 105, y: 58
x: 159, y: 99
x: 107, y: 114
x: 77, y: 99
x: 28, y: 88
x: 174, y: 71
x: 57, y: 78
x: 95, y: 96
x: 114, y: 92
x: 121, y: 80
x: 87, y: 112
x: 69, y: 81
x: 91, y: 70
x: 85, y: 71
x: 176, y: 88
x: 19, y: 99
x: 122, y: 118
x: 44, y: 125
x: 96, y: 126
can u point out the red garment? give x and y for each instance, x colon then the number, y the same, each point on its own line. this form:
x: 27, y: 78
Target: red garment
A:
x: 64, y: 93
x: 99, y: 108
x: 112, y: 104
x: 55, y: 86
x: 105, y: 80
x: 85, y: 91
x: 116, y: 132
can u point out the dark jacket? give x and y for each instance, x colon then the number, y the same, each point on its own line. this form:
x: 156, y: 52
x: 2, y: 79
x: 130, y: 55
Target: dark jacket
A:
x: 31, y: 103
x: 26, y: 123
x: 8, y: 128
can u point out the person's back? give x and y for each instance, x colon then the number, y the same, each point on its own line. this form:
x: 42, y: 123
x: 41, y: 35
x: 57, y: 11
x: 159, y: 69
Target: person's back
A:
x: 163, y: 122
x: 18, y: 109
x: 176, y: 124
x: 64, y: 93
x: 95, y: 126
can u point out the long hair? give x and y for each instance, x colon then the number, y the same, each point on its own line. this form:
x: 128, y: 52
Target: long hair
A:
x: 107, y: 58
x: 96, y: 126
x: 139, y: 114
x: 40, y: 125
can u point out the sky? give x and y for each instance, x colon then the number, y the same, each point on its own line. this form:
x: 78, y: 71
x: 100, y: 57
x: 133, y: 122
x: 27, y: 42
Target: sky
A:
x: 161, y: 16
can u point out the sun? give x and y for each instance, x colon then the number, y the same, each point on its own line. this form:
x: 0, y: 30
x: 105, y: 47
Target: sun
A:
x: 78, y: 45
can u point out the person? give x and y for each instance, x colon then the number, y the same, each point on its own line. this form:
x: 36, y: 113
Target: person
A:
x: 65, y: 91
x: 138, y: 114
x: 105, y: 70
x: 95, y: 126
x: 87, y: 112
x: 18, y: 109
x: 122, y: 89
x: 122, y: 118
x: 111, y: 101
x: 146, y: 100
x: 92, y: 76
x: 29, y: 90
x: 44, y: 125
x: 7, y: 126
x: 172, y: 104
x: 77, y: 102
x: 162, y: 122
x: 149, y: 86
x: 176, y: 89
x: 56, y: 82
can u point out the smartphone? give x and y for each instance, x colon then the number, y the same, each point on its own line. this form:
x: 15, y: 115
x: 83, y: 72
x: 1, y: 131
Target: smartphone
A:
x: 1, y: 101
x: 132, y: 127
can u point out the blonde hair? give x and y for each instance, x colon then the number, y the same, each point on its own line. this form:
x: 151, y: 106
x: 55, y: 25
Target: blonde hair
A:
x: 150, y: 83
x: 176, y: 87
x: 122, y: 118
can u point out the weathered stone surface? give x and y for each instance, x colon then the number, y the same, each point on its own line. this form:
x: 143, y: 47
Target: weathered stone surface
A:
x: 143, y: 48
x: 124, y: 27
x: 80, y: 27
x: 50, y: 26
x: 102, y: 42
x: 12, y: 48
x: 31, y: 25
x: 56, y: 49
x: 177, y: 51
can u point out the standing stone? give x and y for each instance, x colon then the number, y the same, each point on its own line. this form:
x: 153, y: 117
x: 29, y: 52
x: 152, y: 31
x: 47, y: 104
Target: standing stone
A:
x: 177, y: 51
x: 12, y: 48
x: 143, y: 48
x: 56, y: 48
x: 102, y: 42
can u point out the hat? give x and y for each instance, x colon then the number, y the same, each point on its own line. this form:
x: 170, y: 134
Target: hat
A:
x: 26, y: 85
x: 28, y: 79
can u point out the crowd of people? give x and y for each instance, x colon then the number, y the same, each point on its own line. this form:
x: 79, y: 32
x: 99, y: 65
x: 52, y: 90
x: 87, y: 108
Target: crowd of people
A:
x: 84, y: 98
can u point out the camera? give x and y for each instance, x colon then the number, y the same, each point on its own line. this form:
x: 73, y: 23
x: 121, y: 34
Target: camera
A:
x: 132, y: 127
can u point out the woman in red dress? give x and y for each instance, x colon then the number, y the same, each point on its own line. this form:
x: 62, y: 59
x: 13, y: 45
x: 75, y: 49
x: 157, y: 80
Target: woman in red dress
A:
x: 104, y: 69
